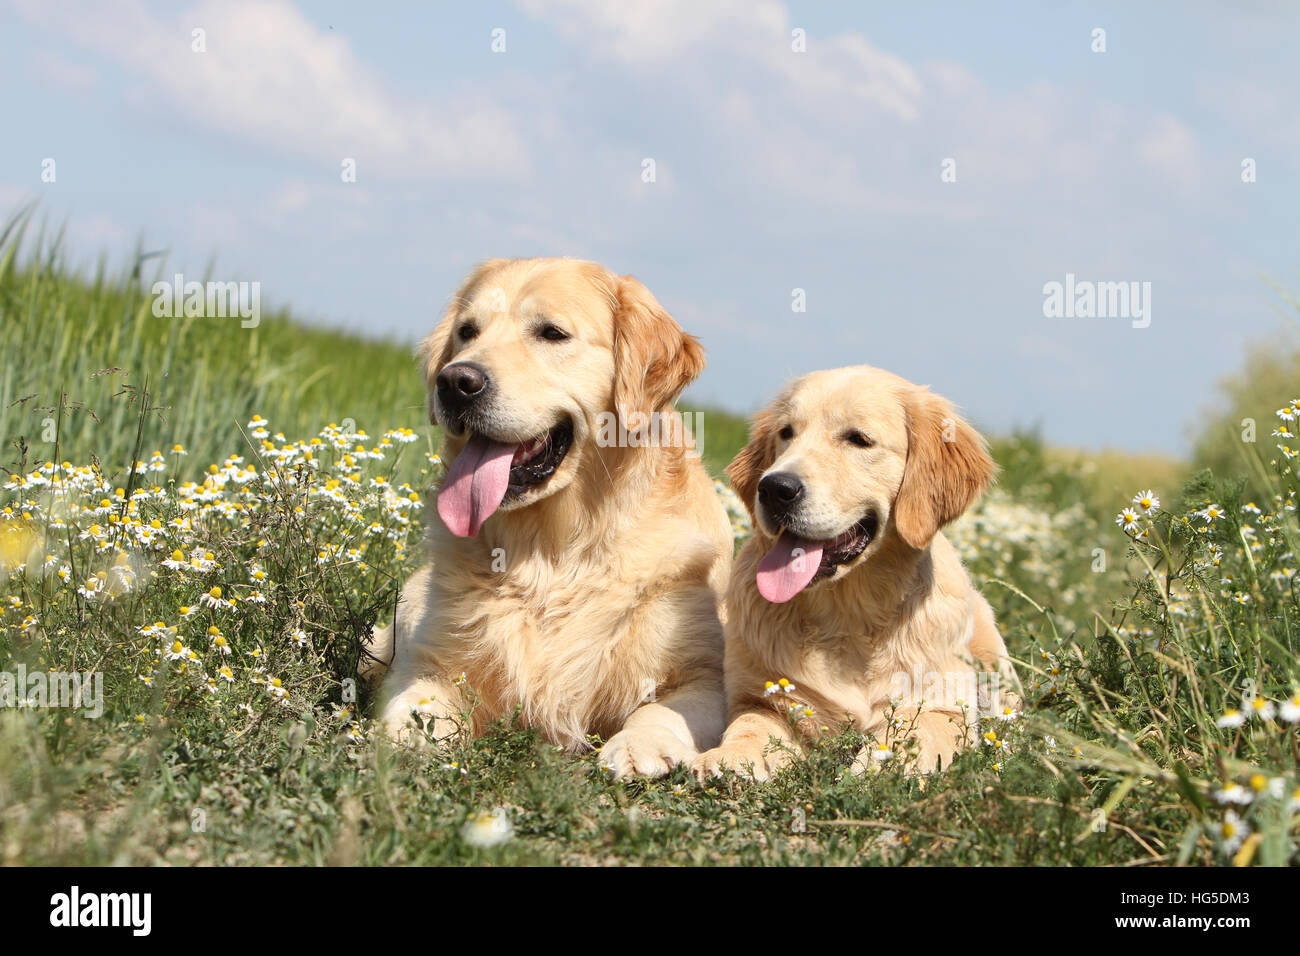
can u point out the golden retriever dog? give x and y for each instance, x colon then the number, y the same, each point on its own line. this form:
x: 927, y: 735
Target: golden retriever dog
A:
x: 848, y: 590
x: 579, y: 554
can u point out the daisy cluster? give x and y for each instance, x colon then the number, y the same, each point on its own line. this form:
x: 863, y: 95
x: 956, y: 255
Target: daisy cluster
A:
x: 1003, y: 730
x: 999, y: 734
x: 1288, y: 415
x: 200, y: 584
x: 1046, y: 679
x: 1260, y: 535
x: 784, y: 692
x: 1005, y: 539
x: 1234, y: 573
x: 1259, y: 794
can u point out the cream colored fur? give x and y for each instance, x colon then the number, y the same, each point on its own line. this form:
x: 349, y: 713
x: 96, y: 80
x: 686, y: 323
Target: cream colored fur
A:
x: 591, y: 606
x: 905, y: 606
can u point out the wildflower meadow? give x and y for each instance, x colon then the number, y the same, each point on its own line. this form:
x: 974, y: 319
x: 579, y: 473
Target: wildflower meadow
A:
x: 217, y: 539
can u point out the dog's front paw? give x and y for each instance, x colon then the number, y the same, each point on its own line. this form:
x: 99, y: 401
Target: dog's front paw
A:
x: 644, y: 751
x: 757, y: 764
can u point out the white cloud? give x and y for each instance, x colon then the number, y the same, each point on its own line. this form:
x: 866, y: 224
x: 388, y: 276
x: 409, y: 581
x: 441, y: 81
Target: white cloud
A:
x: 293, y: 195
x: 1258, y: 112
x: 848, y: 127
x: 269, y: 77
x: 1170, y: 148
x: 60, y: 72
x: 649, y: 33
x: 643, y: 32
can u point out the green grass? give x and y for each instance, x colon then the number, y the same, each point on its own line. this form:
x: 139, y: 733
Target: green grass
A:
x: 1130, y: 666
x: 1240, y: 419
x: 721, y: 435
x: 84, y: 345
x: 78, y: 352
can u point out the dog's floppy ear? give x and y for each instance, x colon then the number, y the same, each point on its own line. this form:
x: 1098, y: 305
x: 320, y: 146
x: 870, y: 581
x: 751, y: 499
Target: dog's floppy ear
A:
x: 755, y: 458
x: 948, y: 467
x: 435, y: 350
x: 653, y: 358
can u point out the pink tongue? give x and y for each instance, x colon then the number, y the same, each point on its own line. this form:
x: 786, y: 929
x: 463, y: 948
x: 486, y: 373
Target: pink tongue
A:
x: 788, y: 567
x: 475, y: 485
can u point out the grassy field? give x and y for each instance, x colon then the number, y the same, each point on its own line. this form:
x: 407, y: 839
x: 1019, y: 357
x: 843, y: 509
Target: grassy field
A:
x: 222, y: 592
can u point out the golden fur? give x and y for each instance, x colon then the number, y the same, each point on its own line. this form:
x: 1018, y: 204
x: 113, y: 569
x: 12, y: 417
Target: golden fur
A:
x: 590, y: 605
x: 904, y: 606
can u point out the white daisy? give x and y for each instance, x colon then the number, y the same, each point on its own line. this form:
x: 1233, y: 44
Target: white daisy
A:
x: 1260, y: 707
x: 1234, y: 793
x: 484, y: 829
x: 214, y: 600
x: 1211, y: 513
x: 218, y: 641
x: 1289, y: 709
x: 1232, y: 832
x: 1231, y: 718
x: 1146, y: 500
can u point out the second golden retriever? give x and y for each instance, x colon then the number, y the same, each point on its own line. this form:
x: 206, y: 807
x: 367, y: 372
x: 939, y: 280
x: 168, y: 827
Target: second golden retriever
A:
x: 848, y: 605
x: 576, y: 573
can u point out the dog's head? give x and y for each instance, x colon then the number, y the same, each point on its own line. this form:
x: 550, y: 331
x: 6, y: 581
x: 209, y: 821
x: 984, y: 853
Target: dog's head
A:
x: 846, y: 461
x: 528, y: 356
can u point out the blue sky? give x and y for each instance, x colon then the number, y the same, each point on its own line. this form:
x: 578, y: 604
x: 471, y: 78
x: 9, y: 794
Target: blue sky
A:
x: 775, y: 170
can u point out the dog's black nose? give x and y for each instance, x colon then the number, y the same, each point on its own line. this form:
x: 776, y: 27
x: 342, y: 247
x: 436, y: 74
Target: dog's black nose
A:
x: 779, y: 492
x: 460, y: 383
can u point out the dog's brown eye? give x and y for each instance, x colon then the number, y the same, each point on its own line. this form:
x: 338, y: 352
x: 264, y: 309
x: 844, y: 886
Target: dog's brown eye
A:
x: 859, y: 439
x: 786, y: 433
x: 552, y: 333
x: 467, y: 332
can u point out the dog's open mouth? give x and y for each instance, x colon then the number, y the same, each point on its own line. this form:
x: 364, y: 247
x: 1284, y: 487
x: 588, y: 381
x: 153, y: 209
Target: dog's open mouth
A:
x: 793, y: 562
x: 847, y: 546
x: 488, y: 472
x: 535, y: 461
